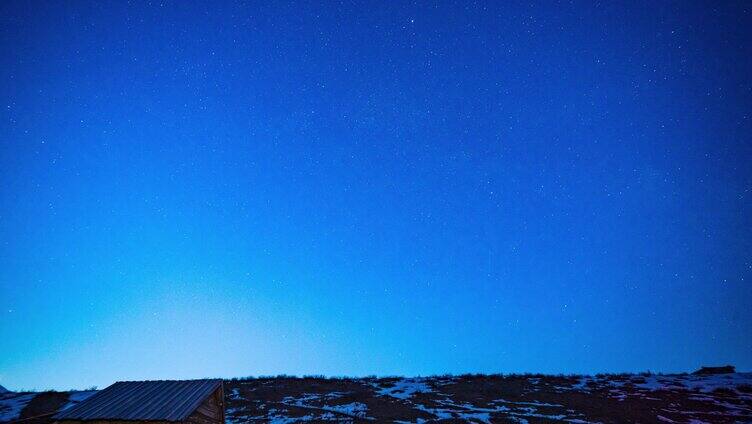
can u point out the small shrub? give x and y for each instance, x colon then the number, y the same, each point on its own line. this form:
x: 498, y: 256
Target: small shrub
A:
x: 744, y: 388
x: 724, y: 391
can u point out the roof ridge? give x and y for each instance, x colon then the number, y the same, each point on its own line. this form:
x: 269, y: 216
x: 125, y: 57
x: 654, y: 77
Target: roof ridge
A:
x: 168, y: 380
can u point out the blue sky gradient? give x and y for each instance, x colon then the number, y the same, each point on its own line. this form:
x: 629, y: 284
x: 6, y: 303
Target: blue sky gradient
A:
x: 193, y: 189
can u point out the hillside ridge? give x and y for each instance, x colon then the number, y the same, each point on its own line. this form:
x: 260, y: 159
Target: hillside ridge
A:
x: 474, y: 398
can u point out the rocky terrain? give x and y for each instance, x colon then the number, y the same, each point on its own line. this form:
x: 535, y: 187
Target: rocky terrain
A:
x: 612, y: 398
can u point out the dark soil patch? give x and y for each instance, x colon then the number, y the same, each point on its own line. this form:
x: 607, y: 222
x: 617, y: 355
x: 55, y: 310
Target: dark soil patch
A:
x: 42, y: 406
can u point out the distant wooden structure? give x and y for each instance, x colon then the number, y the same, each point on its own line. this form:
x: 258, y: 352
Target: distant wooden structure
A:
x: 130, y: 402
x: 726, y: 369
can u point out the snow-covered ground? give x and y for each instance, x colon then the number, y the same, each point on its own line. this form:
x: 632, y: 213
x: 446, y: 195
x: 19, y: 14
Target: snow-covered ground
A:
x: 11, y: 404
x: 702, y: 383
x: 405, y: 388
x: 486, y: 399
x: 74, y: 398
x: 678, y: 398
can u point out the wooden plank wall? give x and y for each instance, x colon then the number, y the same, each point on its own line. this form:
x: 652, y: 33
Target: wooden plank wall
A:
x: 211, y: 411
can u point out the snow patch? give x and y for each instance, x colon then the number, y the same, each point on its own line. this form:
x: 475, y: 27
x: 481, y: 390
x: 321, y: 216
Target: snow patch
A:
x: 355, y: 409
x: 74, y: 398
x: 702, y: 383
x: 11, y: 406
x: 406, y: 388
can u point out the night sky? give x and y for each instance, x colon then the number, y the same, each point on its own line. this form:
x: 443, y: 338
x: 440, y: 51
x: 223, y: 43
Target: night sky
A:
x: 197, y: 189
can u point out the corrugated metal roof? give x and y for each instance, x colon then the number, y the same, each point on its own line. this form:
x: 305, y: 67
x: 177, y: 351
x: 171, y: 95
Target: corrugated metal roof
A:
x: 143, y: 401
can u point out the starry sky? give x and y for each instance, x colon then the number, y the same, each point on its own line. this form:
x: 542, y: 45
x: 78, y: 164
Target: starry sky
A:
x: 192, y: 189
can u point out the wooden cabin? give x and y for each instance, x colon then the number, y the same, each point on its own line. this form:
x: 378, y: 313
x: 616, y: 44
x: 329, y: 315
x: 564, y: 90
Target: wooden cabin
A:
x: 128, y: 402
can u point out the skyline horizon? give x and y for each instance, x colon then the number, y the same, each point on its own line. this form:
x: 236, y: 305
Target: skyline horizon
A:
x: 87, y: 387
